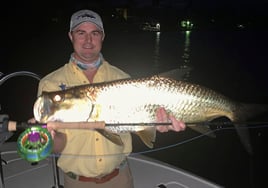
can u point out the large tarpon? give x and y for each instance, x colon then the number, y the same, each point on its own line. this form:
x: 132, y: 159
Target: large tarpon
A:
x: 136, y: 101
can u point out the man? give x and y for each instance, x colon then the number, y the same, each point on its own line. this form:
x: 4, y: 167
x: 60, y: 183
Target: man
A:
x: 87, y: 158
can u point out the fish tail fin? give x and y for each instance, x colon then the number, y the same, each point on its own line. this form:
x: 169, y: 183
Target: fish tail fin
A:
x: 243, y: 113
x: 148, y: 136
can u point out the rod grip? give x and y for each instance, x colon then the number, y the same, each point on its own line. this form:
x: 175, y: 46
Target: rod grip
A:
x: 14, y: 126
x: 76, y: 125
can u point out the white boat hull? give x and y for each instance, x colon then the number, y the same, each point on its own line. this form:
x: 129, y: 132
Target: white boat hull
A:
x: 146, y: 172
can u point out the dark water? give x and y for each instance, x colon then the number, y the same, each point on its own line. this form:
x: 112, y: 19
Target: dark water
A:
x: 231, y: 62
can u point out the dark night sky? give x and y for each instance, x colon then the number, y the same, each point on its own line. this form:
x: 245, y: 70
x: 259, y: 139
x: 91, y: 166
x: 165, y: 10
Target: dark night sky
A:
x: 16, y: 11
x: 197, y: 4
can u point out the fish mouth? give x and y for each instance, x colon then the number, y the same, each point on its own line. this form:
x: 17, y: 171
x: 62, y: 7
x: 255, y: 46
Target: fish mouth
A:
x: 37, y: 109
x: 41, y: 110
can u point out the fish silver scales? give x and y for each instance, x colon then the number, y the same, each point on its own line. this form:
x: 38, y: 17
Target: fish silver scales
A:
x: 135, y: 101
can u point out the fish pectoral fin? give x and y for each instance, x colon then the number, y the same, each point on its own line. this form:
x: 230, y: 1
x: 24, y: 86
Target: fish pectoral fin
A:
x: 148, y: 136
x: 115, y: 138
x: 203, y: 129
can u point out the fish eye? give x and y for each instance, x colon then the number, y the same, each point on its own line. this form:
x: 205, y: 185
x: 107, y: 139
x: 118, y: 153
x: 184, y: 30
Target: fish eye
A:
x: 57, y: 98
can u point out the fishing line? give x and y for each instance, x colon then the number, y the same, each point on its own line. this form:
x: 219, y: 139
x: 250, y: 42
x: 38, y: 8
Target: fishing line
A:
x: 135, y: 153
x: 26, y: 171
x: 160, y: 148
x: 219, y: 128
x: 195, y: 138
x: 176, y: 144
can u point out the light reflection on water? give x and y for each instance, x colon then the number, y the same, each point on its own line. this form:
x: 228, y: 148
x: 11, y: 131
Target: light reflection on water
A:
x: 185, y: 57
x: 149, y: 52
x: 186, y: 54
x: 187, y: 50
x: 156, y: 56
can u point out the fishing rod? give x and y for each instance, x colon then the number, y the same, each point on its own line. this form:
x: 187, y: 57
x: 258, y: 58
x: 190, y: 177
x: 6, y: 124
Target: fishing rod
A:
x: 7, y: 125
x: 35, y: 142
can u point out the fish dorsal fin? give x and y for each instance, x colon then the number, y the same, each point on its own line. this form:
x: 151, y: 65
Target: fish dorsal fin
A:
x: 203, y: 130
x: 177, y: 74
x: 115, y: 138
x: 148, y: 136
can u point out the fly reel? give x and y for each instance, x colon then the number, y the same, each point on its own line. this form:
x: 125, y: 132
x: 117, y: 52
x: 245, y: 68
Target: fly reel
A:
x: 35, y: 144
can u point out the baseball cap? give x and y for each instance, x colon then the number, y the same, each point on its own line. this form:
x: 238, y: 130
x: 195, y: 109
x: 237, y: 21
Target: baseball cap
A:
x: 85, y: 16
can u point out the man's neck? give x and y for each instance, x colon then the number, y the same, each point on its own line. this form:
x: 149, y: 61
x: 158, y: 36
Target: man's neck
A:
x: 86, y: 66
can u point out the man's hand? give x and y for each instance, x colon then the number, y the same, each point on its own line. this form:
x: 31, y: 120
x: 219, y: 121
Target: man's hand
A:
x: 59, y: 138
x: 162, y: 116
x: 50, y: 130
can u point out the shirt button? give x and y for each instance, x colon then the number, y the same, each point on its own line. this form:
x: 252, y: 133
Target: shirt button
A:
x: 100, y: 160
x: 97, y: 139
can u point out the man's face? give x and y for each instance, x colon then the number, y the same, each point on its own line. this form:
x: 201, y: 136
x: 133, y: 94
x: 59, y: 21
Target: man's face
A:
x: 87, y: 41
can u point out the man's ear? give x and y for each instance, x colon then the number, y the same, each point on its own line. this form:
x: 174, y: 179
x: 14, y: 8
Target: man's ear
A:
x: 70, y: 36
